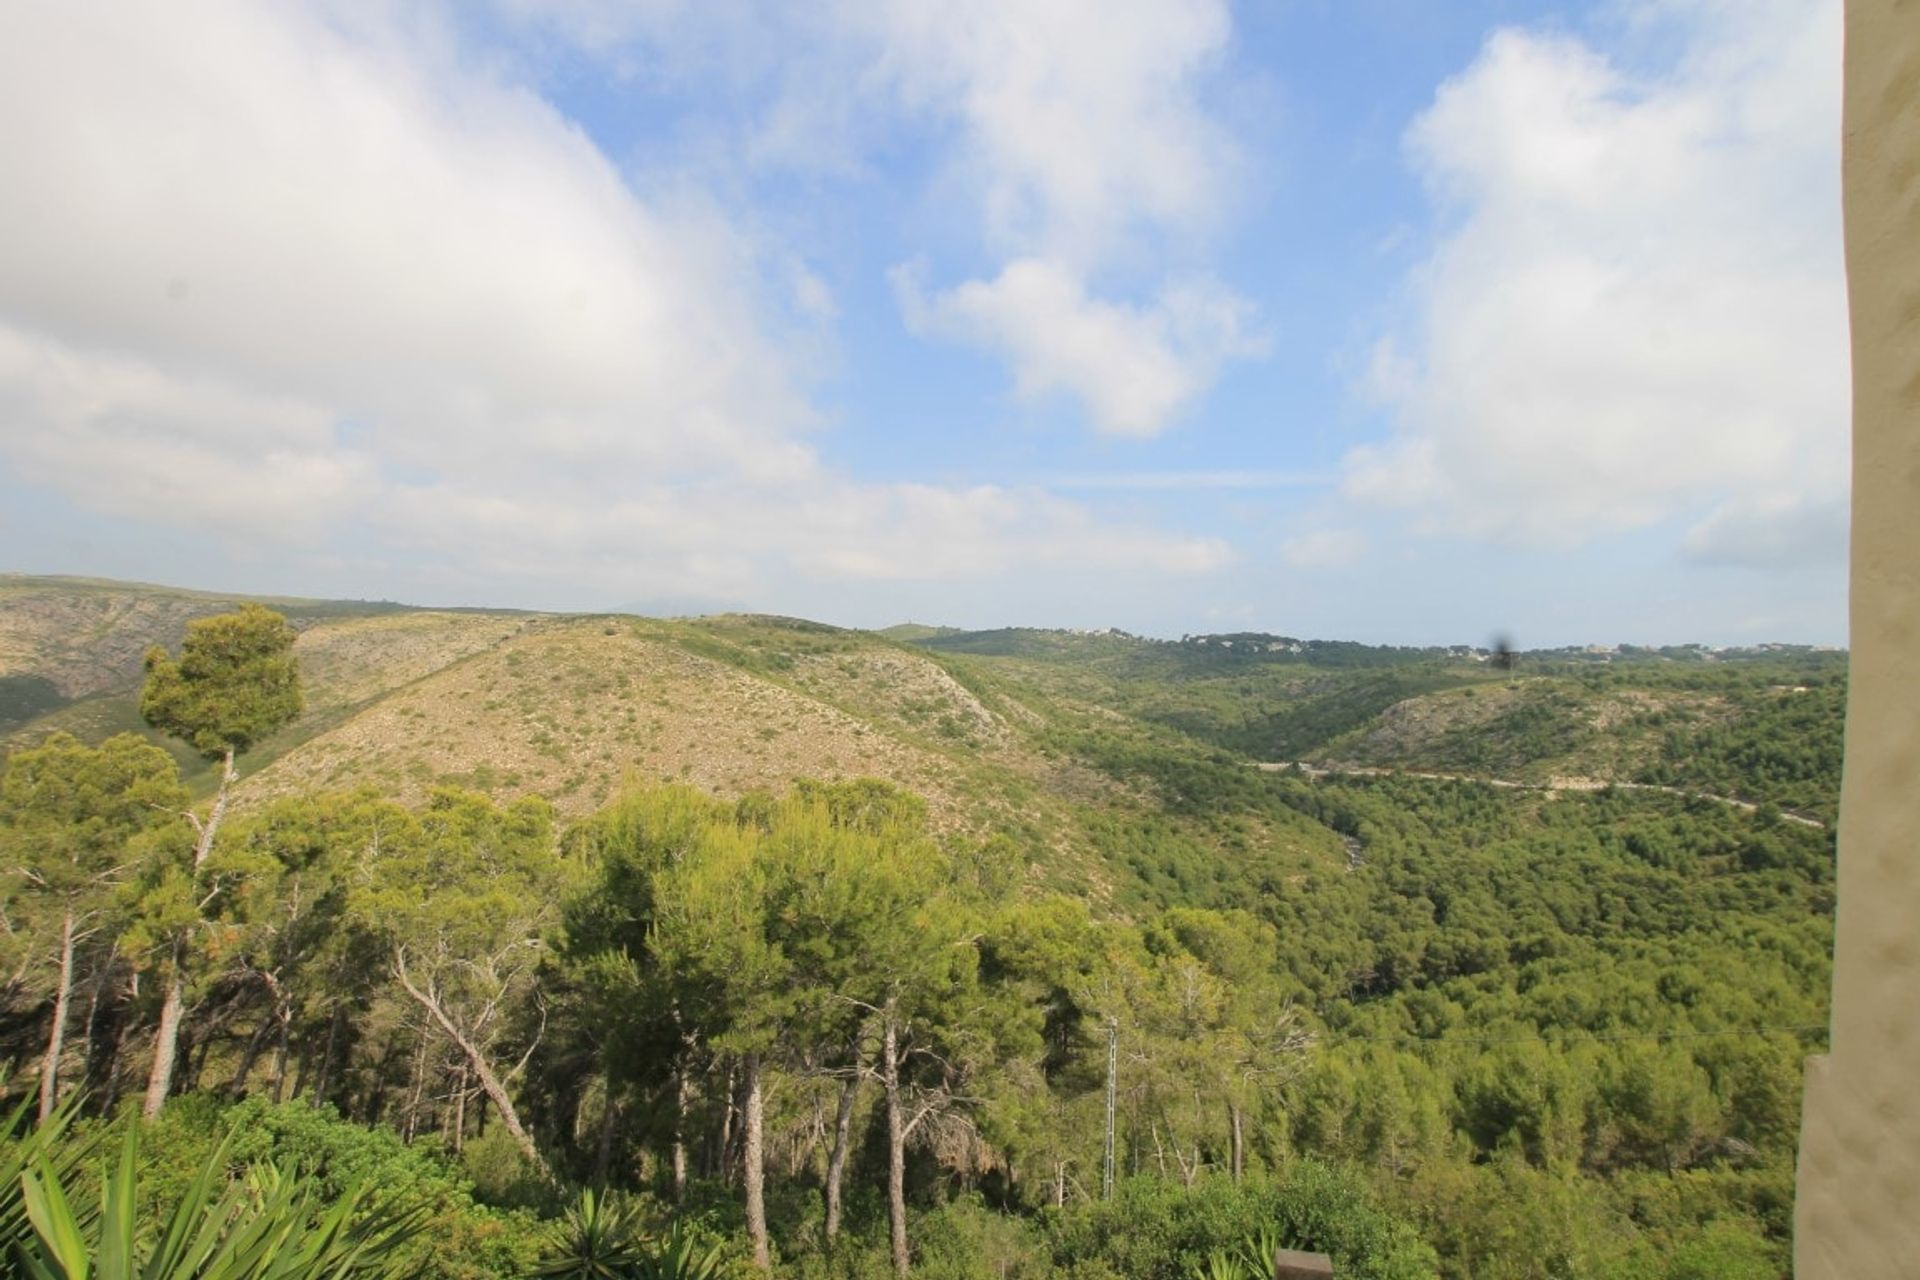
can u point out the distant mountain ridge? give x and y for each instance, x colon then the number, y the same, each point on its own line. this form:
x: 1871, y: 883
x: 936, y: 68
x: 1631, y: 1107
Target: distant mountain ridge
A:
x: 1012, y: 729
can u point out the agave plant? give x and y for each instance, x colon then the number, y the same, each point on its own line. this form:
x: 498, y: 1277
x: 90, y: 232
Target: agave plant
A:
x: 1257, y: 1252
x: 263, y: 1226
x: 1224, y: 1266
x: 600, y: 1240
x: 1253, y: 1260
x: 604, y: 1238
x: 680, y: 1255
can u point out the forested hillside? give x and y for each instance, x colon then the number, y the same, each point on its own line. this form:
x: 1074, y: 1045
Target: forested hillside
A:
x: 811, y: 949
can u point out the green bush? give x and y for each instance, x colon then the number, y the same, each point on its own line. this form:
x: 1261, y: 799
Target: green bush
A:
x: 1158, y: 1230
x: 461, y: 1239
x: 965, y: 1240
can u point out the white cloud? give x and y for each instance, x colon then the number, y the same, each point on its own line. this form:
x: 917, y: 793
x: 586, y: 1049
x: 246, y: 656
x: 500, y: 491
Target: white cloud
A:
x: 1188, y: 481
x: 303, y: 274
x: 1636, y: 307
x: 1083, y: 141
x: 1134, y: 367
x: 1324, y: 549
x: 1080, y: 120
x: 121, y: 435
x: 1073, y: 136
x: 1772, y: 532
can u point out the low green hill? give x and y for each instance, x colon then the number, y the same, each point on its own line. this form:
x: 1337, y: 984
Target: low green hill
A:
x: 1531, y: 953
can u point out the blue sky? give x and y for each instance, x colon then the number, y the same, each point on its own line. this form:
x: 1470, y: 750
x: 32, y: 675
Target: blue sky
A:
x: 1377, y: 319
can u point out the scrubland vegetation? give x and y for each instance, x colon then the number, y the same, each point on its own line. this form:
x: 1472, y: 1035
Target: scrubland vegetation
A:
x: 706, y: 1023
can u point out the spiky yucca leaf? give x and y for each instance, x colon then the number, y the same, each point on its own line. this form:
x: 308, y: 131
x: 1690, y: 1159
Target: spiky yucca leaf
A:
x: 1224, y: 1266
x: 23, y: 1145
x: 681, y: 1256
x: 265, y: 1226
x: 600, y: 1240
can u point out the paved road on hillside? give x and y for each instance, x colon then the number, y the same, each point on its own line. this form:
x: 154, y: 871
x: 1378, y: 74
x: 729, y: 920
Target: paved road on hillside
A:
x: 1552, y: 784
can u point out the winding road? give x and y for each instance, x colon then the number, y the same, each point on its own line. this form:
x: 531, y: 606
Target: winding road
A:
x: 1551, y: 784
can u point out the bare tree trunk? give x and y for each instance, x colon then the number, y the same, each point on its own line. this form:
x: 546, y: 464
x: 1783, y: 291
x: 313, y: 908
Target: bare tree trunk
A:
x: 249, y: 1056
x: 725, y: 1168
x: 95, y: 989
x: 896, y: 1148
x: 489, y: 1082
x: 196, y: 1044
x: 325, y: 1076
x: 1059, y: 1184
x: 609, y: 1114
x: 166, y: 1036
x: 377, y: 1095
x: 1239, y: 1142
x: 302, y: 1068
x: 418, y: 1086
x: 118, y: 1058
x: 285, y: 1012
x: 842, y: 1138
x: 754, y: 1160
x: 682, y: 1099
x: 460, y: 1113
x: 50, y: 1068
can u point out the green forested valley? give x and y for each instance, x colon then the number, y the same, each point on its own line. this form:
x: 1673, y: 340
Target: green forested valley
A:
x: 352, y: 939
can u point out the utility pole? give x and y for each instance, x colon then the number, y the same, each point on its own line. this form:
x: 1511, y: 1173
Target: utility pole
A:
x: 1113, y: 1074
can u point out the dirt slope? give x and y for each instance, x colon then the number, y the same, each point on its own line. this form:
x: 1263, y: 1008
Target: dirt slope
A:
x: 568, y: 709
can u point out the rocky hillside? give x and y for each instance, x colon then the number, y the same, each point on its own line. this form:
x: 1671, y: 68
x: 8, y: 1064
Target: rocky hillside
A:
x: 571, y: 708
x: 1081, y: 747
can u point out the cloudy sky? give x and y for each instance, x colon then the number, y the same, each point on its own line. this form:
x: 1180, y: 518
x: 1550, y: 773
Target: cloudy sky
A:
x: 1378, y: 319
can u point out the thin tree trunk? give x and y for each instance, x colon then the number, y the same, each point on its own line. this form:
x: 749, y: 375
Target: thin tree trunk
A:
x: 280, y: 1052
x: 725, y: 1169
x: 682, y: 1099
x: 193, y: 1055
x: 603, y: 1157
x: 325, y: 1077
x: 96, y: 990
x: 419, y: 1084
x: 460, y: 1112
x: 842, y: 1138
x: 489, y: 1082
x: 50, y: 1068
x: 754, y: 1160
x: 167, y: 1035
x: 377, y: 1095
x: 119, y: 1047
x: 249, y: 1056
x: 166, y: 1038
x: 896, y: 1148
x: 1059, y: 1184
x: 1239, y: 1142
x: 302, y: 1068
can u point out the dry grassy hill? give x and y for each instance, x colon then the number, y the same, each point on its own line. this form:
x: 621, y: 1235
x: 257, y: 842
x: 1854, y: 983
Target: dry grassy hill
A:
x: 573, y: 707
x: 70, y: 654
x: 568, y: 708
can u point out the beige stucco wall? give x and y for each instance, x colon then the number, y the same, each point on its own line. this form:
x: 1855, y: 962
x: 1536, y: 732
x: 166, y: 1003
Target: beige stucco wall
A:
x: 1857, y: 1215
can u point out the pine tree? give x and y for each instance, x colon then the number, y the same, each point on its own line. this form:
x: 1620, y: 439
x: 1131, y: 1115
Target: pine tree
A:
x: 235, y: 682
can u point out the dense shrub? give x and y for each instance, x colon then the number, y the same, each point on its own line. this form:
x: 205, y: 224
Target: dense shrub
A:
x: 1158, y: 1230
